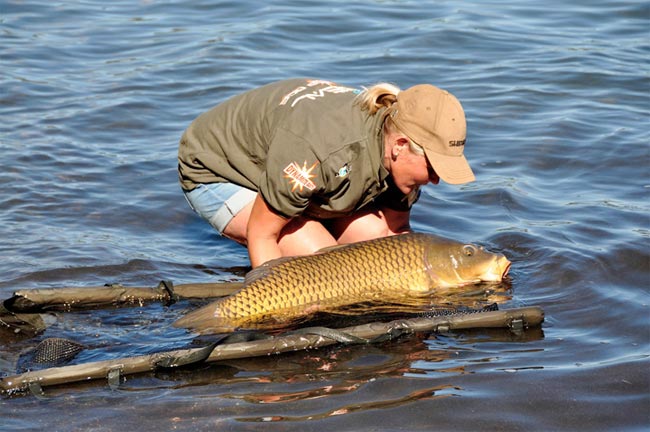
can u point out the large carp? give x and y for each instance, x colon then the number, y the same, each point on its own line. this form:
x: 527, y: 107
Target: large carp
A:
x: 394, y: 269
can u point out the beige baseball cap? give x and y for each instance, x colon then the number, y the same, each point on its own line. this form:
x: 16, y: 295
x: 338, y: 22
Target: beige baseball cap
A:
x: 434, y: 119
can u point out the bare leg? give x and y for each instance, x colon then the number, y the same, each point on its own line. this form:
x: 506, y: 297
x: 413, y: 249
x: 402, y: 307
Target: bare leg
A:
x: 370, y: 224
x: 236, y: 228
x: 301, y: 236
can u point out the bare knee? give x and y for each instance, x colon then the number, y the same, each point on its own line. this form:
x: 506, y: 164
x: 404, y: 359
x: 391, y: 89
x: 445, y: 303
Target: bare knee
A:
x: 303, y: 236
x: 361, y: 227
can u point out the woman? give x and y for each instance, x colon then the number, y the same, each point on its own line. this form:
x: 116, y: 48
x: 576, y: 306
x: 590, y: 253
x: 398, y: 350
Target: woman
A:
x: 298, y: 165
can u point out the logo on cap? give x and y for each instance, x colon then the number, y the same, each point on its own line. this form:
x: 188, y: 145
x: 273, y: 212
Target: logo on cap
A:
x: 458, y: 143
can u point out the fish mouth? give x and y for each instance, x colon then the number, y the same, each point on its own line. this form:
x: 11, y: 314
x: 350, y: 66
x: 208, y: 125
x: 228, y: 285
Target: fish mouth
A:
x: 503, y: 264
x: 506, y: 269
x: 498, y: 270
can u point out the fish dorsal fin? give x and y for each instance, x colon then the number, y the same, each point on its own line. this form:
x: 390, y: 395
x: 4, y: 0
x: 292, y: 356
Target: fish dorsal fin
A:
x: 264, y: 269
x: 330, y: 248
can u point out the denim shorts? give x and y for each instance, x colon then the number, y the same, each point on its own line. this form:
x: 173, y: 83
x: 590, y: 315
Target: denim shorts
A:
x: 218, y: 203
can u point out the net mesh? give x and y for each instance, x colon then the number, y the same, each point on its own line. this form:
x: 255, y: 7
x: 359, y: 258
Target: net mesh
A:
x: 54, y: 351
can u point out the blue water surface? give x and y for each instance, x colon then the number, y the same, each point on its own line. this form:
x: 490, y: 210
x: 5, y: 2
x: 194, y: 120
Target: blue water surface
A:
x: 94, y: 96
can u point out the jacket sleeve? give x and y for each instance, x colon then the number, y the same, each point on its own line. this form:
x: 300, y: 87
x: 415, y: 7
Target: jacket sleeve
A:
x: 291, y: 176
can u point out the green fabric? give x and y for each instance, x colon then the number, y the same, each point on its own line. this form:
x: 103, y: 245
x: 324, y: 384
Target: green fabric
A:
x: 305, y: 145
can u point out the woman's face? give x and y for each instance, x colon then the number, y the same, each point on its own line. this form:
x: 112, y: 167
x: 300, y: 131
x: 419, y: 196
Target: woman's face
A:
x: 409, y: 169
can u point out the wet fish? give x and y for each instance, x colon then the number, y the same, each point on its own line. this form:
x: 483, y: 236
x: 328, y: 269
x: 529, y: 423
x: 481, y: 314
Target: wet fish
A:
x: 394, y: 269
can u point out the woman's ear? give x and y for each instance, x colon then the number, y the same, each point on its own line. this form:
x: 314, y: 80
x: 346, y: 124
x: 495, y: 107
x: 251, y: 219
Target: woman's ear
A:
x: 401, y: 144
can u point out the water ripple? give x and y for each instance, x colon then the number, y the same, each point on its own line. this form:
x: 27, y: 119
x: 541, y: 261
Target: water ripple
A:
x: 94, y: 97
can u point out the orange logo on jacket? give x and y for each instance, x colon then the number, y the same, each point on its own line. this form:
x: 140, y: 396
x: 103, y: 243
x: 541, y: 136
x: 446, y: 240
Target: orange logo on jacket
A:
x: 300, y: 177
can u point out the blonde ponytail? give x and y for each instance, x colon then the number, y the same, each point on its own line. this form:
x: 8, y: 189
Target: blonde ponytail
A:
x: 378, y: 96
x: 384, y: 95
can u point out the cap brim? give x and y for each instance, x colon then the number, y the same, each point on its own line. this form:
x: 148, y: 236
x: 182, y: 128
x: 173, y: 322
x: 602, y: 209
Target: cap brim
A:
x: 451, y: 169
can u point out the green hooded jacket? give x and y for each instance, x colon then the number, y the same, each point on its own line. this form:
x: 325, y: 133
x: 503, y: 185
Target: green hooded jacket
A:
x: 305, y: 145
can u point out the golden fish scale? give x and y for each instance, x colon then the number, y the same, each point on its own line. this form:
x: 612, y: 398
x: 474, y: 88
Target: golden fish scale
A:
x: 382, y: 269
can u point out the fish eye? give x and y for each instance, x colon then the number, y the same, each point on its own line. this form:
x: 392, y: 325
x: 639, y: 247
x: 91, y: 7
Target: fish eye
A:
x: 469, y: 250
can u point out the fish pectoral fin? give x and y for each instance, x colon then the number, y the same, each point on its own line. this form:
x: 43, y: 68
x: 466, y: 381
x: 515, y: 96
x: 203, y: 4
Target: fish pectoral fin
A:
x: 434, y: 279
x: 422, y: 293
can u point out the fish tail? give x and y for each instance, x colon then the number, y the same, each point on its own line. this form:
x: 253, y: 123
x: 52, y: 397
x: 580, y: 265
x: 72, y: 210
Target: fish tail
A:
x: 205, y: 320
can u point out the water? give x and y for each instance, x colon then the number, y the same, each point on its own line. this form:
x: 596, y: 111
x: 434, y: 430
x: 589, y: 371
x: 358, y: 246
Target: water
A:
x: 95, y: 95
